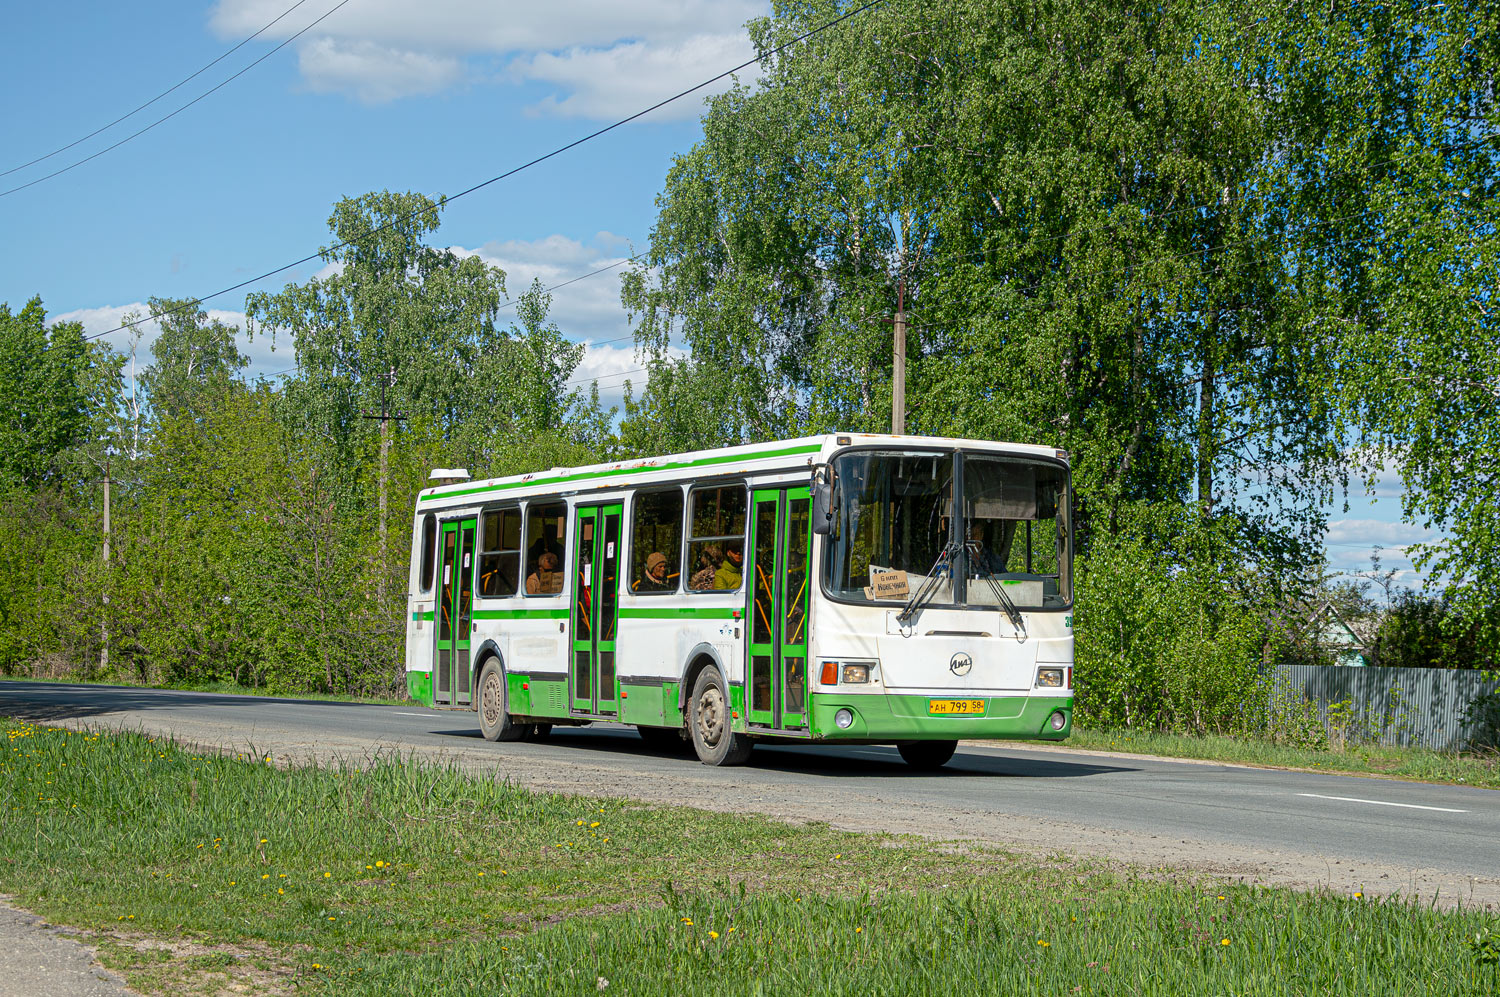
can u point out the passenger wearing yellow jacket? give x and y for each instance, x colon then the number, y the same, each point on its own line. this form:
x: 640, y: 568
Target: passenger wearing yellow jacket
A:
x: 731, y: 571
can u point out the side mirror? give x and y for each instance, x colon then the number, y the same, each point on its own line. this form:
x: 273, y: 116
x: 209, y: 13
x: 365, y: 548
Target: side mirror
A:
x: 822, y: 502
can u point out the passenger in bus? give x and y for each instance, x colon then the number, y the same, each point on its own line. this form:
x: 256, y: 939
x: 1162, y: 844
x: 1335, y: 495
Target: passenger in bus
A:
x: 709, y: 556
x: 546, y: 580
x: 730, y: 570
x: 655, y: 579
x: 983, y: 561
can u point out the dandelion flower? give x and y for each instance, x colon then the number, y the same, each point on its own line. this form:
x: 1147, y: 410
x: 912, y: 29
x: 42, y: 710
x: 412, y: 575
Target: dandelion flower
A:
x: 265, y: 875
x: 1043, y: 943
x: 1223, y: 941
x: 263, y: 841
x: 713, y: 934
x: 327, y: 875
x: 859, y: 931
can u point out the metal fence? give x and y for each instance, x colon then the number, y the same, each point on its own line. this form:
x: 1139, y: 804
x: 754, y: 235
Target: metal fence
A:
x: 1423, y: 707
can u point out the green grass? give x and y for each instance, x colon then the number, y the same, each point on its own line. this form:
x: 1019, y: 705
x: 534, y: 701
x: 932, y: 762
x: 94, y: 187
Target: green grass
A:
x: 199, y: 871
x: 224, y: 688
x: 1420, y: 764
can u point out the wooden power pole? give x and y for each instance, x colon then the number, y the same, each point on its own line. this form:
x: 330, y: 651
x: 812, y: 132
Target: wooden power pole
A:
x: 385, y: 417
x: 898, y: 380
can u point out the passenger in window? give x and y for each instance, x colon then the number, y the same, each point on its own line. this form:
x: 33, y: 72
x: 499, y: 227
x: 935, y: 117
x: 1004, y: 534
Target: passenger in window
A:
x: 982, y: 560
x: 731, y: 569
x: 709, y: 556
x: 546, y: 580
x: 656, y: 573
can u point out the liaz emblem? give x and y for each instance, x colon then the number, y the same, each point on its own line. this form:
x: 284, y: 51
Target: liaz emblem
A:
x: 960, y: 663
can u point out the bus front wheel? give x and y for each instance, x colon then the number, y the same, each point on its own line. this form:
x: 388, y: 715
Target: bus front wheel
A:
x: 713, y: 739
x: 927, y: 755
x: 494, y: 717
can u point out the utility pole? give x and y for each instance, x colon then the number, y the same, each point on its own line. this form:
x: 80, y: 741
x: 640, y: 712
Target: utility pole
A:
x: 898, y: 382
x: 385, y: 417
x: 104, y: 624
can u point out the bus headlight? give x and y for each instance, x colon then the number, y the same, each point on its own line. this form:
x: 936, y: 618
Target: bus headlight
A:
x: 1058, y: 720
x: 1049, y: 678
x: 849, y: 672
x: 844, y: 719
x: 854, y: 673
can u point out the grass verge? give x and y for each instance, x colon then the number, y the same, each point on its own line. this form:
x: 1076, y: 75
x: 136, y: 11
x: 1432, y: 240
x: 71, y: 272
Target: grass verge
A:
x: 1419, y: 764
x: 200, y: 873
x: 222, y: 688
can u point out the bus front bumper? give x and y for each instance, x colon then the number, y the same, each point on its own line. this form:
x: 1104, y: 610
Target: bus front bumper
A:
x: 893, y: 717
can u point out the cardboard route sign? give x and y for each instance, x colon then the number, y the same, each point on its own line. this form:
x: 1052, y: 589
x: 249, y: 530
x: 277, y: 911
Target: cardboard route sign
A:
x: 887, y: 583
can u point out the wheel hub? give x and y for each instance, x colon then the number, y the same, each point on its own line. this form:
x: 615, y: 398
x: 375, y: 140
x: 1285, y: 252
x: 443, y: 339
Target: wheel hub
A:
x: 489, y: 700
x: 711, y: 715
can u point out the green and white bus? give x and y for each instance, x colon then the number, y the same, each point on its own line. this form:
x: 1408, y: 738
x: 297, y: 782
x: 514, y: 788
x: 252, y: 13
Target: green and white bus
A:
x: 840, y: 589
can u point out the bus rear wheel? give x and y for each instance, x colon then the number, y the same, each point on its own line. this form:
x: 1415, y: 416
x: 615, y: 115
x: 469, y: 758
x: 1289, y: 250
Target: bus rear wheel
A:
x: 927, y: 755
x: 494, y: 717
x: 709, y: 719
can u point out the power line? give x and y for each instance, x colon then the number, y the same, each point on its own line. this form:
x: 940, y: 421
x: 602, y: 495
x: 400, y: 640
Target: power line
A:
x: 159, y: 96
x: 173, y: 114
x: 524, y: 166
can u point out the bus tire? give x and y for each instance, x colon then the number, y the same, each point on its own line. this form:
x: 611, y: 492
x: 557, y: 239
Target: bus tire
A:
x: 927, y: 755
x: 709, y: 720
x: 494, y: 716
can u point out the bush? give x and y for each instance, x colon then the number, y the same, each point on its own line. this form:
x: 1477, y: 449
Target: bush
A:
x: 1166, y: 639
x: 1422, y: 631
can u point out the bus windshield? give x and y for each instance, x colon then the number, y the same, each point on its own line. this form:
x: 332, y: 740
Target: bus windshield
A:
x: 895, y: 531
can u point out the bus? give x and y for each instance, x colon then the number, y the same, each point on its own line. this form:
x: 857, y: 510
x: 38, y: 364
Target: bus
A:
x: 839, y: 589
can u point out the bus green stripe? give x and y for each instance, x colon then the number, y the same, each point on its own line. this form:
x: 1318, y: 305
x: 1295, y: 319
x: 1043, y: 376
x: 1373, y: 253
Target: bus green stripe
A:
x: 679, y: 613
x: 639, y: 469
x: 521, y: 614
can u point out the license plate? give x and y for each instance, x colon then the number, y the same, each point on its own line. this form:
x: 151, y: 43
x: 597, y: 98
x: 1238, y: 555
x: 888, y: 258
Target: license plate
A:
x: 936, y: 706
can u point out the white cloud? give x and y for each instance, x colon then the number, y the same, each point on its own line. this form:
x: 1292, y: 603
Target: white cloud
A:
x: 596, y: 51
x: 265, y: 357
x: 625, y: 78
x: 375, y: 73
x: 586, y: 310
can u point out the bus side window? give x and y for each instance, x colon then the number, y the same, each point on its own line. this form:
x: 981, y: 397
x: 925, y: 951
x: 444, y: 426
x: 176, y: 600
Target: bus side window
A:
x: 716, y: 538
x: 546, y: 549
x: 656, y: 542
x: 429, y: 552
x: 499, y: 553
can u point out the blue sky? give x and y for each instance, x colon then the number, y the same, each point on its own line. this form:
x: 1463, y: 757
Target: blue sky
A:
x: 382, y: 94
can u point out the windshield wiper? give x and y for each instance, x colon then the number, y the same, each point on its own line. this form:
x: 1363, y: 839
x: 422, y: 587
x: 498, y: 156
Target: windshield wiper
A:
x: 1011, y: 612
x: 928, y: 589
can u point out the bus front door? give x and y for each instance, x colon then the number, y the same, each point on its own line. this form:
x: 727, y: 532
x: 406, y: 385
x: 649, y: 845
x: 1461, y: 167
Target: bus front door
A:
x: 596, y: 598
x: 452, y: 681
x: 780, y: 539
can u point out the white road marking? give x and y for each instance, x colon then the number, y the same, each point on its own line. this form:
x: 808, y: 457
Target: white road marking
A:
x: 1384, y: 803
x: 429, y: 716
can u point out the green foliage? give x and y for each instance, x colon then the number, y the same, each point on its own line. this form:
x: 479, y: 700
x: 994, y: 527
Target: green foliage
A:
x: 54, y: 391
x: 196, y: 360
x: 1418, y: 630
x: 1167, y: 638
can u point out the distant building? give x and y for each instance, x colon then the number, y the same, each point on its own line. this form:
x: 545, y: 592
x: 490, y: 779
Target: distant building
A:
x: 1337, y: 637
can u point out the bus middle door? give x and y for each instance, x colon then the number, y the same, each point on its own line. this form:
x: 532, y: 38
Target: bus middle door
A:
x: 780, y: 539
x: 596, y: 599
x: 452, y: 679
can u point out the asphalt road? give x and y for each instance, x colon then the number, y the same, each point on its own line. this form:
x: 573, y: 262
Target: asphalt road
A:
x: 1307, y: 829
